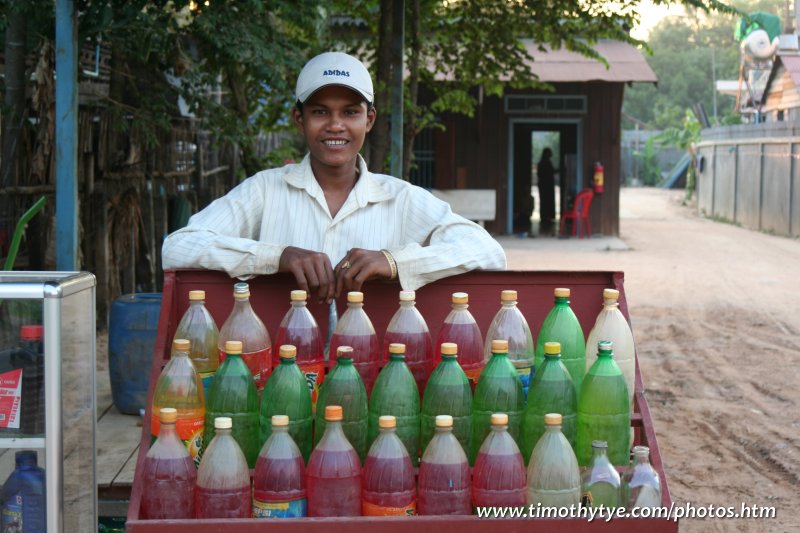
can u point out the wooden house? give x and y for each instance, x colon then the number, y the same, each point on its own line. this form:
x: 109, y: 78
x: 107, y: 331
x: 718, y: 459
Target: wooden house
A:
x: 782, y: 93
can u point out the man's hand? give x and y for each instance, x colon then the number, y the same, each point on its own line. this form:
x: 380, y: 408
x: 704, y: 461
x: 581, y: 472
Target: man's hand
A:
x: 312, y: 270
x: 358, y: 266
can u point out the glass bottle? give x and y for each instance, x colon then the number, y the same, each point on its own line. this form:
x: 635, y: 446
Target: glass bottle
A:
x: 509, y: 324
x: 396, y: 394
x: 460, y: 328
x: 279, y: 480
x: 562, y: 326
x: 333, y: 476
x: 198, y: 327
x: 233, y: 394
x: 389, y: 487
x: 604, y: 412
x: 552, y: 391
x: 300, y: 329
x: 243, y: 325
x: 554, y: 479
x: 223, y: 478
x: 444, y: 486
x: 499, y: 390
x: 179, y: 386
x: 408, y: 327
x: 641, y: 486
x: 286, y: 393
x: 600, y: 483
x: 354, y: 329
x: 169, y: 474
x: 499, y: 475
x: 447, y: 393
x: 345, y: 388
x: 24, y: 506
x: 612, y: 326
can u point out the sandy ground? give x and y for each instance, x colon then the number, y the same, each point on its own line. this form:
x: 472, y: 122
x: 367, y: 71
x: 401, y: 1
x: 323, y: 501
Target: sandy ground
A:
x: 715, y: 311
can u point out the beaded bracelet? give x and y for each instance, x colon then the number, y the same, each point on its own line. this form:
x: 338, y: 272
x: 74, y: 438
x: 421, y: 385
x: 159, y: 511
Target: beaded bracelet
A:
x: 392, y: 263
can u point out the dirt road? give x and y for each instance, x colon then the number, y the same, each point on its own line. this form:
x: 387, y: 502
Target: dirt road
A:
x: 715, y: 311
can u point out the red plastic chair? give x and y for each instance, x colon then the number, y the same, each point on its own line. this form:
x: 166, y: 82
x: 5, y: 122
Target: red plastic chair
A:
x: 579, y: 215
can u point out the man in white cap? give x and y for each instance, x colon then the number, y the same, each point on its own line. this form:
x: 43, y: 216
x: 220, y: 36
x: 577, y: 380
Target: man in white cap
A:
x: 330, y: 209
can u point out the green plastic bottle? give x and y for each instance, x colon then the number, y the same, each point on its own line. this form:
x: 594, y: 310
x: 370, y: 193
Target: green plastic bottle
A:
x: 396, y: 394
x: 604, y: 412
x: 233, y: 394
x: 447, y: 393
x: 344, y: 387
x: 286, y: 393
x: 499, y: 390
x: 562, y: 326
x: 552, y: 391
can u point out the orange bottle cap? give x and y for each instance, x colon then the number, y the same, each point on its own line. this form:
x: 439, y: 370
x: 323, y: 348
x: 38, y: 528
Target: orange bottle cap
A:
x: 280, y: 421
x: 397, y: 347
x: 333, y: 413
x: 355, y: 297
x: 387, y: 421
x: 298, y: 295
x: 168, y: 415
x: 460, y: 298
x: 561, y: 293
x: 287, y: 351
x: 508, y: 296
x: 499, y: 346
x: 449, y: 348
x: 499, y: 419
x: 181, y: 345
x: 552, y: 419
x: 233, y: 347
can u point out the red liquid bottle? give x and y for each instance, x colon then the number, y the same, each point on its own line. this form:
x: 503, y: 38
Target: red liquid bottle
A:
x: 279, y: 480
x: 244, y: 325
x: 355, y: 329
x: 169, y: 475
x: 499, y: 475
x: 223, y: 479
x: 444, y: 481
x: 460, y: 328
x: 333, y: 476
x: 388, y: 486
x: 299, y: 329
x: 408, y: 327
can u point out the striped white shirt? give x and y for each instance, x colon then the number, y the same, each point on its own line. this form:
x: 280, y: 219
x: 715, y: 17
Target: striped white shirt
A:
x: 245, y: 232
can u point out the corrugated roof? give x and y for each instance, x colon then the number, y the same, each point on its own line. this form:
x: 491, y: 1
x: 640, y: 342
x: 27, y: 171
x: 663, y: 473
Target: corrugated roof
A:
x: 625, y: 64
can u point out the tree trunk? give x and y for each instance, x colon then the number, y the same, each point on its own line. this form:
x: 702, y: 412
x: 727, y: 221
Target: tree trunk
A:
x: 14, y: 104
x: 410, y: 126
x: 250, y: 160
x: 379, y: 136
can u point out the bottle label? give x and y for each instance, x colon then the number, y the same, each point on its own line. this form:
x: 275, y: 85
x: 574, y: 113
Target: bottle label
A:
x: 12, y: 513
x: 10, y: 398
x: 525, y: 376
x: 258, y: 363
x: 370, y: 509
x: 206, y: 378
x: 190, y: 431
x: 315, y: 375
x: 291, y: 509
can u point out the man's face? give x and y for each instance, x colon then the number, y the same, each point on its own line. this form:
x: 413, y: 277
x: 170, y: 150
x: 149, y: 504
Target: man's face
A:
x: 335, y: 120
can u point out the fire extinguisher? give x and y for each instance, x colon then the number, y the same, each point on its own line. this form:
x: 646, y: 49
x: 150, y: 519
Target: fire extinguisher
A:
x: 598, y: 178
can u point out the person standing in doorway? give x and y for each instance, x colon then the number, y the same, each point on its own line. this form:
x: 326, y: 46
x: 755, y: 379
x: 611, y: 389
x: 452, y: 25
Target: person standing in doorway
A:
x: 547, y: 193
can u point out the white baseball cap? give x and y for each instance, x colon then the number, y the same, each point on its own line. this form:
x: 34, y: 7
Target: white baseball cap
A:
x: 333, y: 68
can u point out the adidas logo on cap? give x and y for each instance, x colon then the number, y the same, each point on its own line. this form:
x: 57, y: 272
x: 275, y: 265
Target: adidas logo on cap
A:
x: 336, y: 72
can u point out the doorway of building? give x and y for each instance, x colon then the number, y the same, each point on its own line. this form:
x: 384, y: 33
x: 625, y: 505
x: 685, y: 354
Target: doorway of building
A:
x: 531, y: 195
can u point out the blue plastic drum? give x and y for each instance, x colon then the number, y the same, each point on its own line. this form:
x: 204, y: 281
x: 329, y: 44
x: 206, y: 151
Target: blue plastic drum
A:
x: 131, y: 341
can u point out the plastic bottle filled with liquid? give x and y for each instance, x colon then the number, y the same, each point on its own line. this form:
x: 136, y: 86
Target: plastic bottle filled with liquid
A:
x: 499, y: 476
x: 552, y: 391
x: 300, y: 329
x: 354, y: 329
x: 233, y: 394
x: 408, y: 327
x: 223, y: 478
x: 460, y: 328
x: 562, y: 326
x: 198, y: 327
x: 554, y: 479
x: 179, y: 386
x: 388, y: 484
x: 344, y: 388
x: 447, y: 393
x: 279, y: 480
x: 641, y: 486
x: 509, y: 324
x: 499, y: 390
x: 243, y: 325
x: 604, y: 412
x: 24, y: 506
x: 444, y: 485
x: 333, y: 475
x: 286, y: 393
x: 600, y: 483
x: 169, y: 474
x: 612, y: 326
x: 396, y: 394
